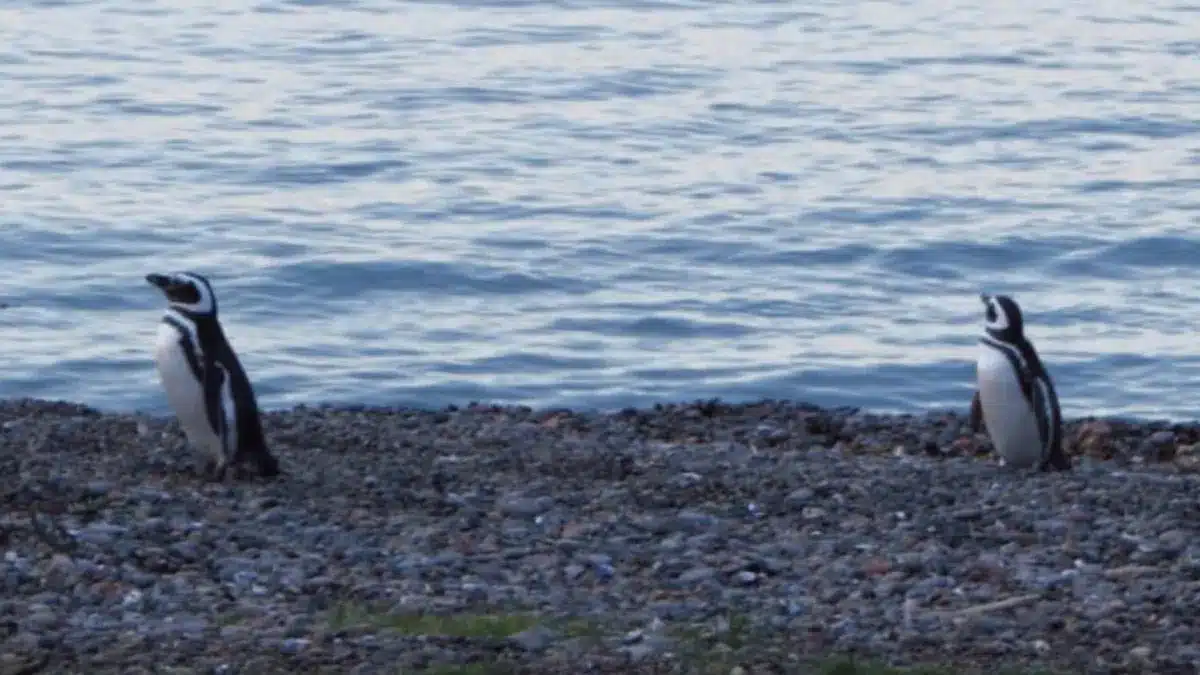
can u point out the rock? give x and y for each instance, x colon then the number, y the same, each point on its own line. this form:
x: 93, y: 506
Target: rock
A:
x: 1094, y: 439
x: 526, y: 507
x: 694, y: 521
x: 1158, y: 447
x: 536, y: 639
x: 799, y: 498
x: 696, y: 575
x: 745, y: 578
x: 294, y: 645
x: 405, y: 540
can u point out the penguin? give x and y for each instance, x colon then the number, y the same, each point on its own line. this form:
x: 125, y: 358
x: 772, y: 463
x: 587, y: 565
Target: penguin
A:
x: 1014, y: 396
x: 204, y: 381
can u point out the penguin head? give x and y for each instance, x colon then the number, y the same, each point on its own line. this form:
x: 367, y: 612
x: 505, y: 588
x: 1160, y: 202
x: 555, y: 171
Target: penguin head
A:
x: 1003, y: 317
x: 187, y: 291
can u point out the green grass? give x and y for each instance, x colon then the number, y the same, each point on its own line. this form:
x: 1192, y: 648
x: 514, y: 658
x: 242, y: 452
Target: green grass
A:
x: 732, y: 646
x: 836, y: 666
x: 584, y: 629
x: 496, y: 626
x: 480, y: 668
x: 735, y: 642
x: 845, y: 666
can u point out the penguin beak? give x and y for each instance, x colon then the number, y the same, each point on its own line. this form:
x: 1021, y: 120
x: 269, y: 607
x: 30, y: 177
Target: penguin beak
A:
x: 984, y: 298
x: 160, y: 280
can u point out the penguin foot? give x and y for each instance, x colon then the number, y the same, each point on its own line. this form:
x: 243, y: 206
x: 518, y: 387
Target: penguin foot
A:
x: 1057, y: 462
x: 241, y: 472
x: 1010, y: 469
x: 1055, y: 467
x: 249, y: 466
x: 204, y: 468
x: 215, y: 471
x: 268, y: 466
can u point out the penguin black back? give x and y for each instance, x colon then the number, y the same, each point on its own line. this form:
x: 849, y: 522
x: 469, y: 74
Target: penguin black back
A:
x: 252, y: 444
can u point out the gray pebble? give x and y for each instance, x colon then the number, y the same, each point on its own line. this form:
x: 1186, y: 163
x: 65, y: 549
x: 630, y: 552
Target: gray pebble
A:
x: 526, y: 507
x: 797, y: 520
x: 293, y: 645
x: 574, y: 571
x: 695, y: 521
x: 696, y: 575
x: 536, y: 639
x: 745, y: 578
x: 799, y: 498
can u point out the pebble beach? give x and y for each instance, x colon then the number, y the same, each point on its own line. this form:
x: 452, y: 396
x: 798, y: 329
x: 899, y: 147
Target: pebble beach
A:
x: 699, y: 537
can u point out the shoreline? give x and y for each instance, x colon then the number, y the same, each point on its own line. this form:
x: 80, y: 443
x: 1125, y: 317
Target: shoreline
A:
x: 746, y: 536
x: 727, y: 404
x: 935, y: 432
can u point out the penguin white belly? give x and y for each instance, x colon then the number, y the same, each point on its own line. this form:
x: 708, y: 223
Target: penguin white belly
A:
x: 1010, y: 419
x: 184, y: 392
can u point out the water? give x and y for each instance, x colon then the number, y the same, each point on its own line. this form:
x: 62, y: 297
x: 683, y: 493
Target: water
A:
x: 604, y: 204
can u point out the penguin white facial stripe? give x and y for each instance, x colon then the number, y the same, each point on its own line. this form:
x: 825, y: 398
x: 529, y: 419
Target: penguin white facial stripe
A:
x: 206, y: 303
x: 187, y: 292
x: 180, y: 320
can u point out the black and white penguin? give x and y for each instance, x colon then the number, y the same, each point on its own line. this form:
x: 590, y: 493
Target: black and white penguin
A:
x: 1015, y: 398
x: 204, y: 381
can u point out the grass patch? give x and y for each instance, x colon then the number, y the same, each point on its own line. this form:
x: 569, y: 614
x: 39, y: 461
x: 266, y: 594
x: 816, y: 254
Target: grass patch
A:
x: 735, y: 644
x: 583, y: 629
x: 731, y: 645
x: 463, y: 625
x: 848, y: 666
x: 845, y: 666
x: 480, y: 668
x: 495, y: 625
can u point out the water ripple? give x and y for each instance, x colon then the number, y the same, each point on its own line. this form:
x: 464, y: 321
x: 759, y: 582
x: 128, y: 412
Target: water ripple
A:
x: 604, y: 203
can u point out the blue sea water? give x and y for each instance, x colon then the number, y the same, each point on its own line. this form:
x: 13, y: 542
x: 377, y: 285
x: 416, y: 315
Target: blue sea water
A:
x: 601, y: 203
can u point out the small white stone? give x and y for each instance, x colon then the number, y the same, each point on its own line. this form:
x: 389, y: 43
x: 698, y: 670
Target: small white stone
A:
x: 1142, y: 652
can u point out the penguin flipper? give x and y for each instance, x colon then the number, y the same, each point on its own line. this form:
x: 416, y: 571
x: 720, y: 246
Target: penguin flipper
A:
x: 253, y: 447
x: 1045, y: 403
x: 214, y: 384
x: 1026, y: 379
x: 975, y: 419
